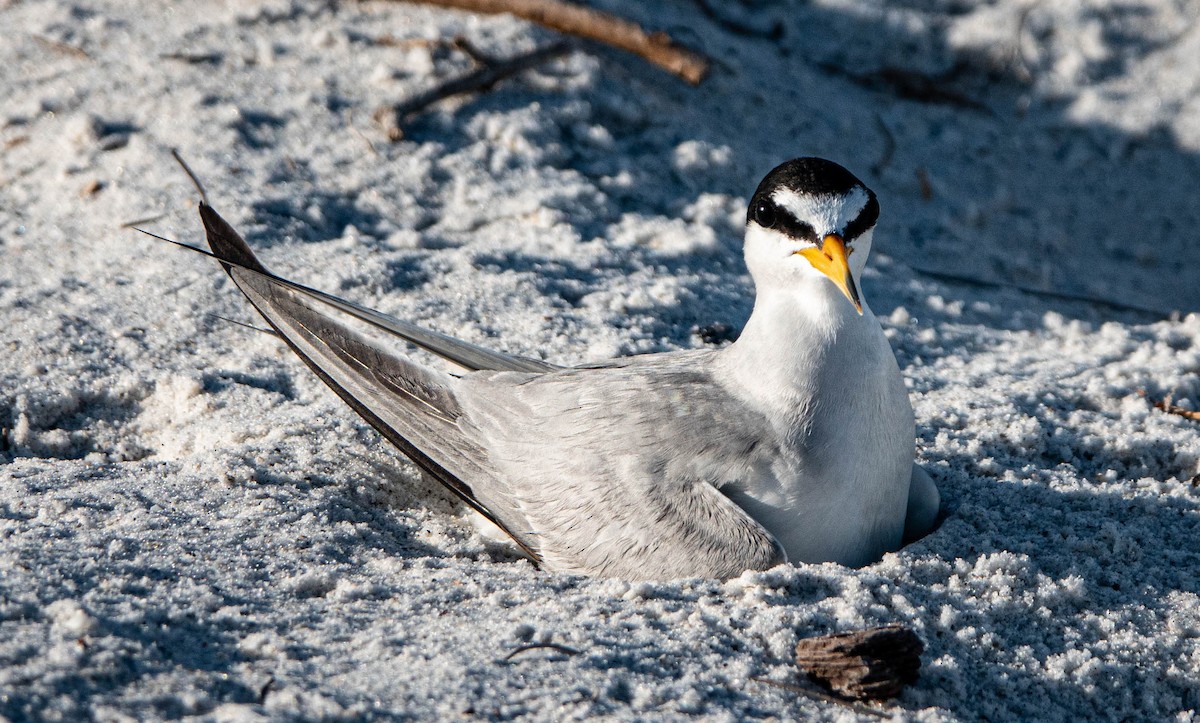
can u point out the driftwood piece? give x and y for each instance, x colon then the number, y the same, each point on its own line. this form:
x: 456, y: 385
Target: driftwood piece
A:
x: 392, y: 118
x: 871, y: 664
x: 657, y: 47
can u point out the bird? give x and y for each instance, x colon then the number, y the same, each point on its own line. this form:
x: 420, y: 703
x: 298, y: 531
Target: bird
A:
x: 795, y: 443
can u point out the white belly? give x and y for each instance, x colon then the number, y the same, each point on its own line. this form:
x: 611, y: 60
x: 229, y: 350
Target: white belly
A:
x: 838, y: 489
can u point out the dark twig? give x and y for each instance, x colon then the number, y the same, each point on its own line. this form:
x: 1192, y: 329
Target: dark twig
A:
x: 818, y: 694
x: 541, y: 646
x: 657, y: 48
x: 478, y: 80
x: 1060, y: 295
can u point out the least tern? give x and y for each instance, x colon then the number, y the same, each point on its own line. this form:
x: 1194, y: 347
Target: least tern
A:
x: 793, y: 443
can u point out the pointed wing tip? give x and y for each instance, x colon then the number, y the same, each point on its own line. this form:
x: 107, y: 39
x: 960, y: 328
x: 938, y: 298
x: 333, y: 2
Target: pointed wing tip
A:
x: 225, y: 241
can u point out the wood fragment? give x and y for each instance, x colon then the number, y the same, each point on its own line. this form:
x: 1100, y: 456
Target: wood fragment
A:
x: 393, y: 118
x: 871, y: 664
x: 656, y: 47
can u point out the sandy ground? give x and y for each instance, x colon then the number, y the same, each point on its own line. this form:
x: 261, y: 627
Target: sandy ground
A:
x: 191, y: 524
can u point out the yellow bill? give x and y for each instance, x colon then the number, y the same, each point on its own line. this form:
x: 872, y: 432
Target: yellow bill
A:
x: 832, y: 259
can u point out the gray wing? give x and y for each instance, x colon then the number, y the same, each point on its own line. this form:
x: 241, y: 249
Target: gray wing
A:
x: 579, y: 467
x: 618, y: 468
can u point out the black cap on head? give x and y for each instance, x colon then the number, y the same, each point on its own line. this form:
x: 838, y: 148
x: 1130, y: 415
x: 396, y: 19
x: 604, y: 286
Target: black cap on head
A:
x: 815, y: 177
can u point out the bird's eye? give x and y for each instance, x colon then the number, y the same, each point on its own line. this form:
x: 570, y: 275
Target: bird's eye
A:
x: 764, y: 214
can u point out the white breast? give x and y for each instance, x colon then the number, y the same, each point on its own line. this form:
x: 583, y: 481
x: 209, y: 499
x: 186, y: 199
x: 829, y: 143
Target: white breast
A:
x: 838, y: 488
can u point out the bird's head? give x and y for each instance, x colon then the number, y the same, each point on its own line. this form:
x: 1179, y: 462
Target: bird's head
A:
x: 810, y: 222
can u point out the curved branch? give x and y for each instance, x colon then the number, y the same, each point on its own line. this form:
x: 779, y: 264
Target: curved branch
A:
x: 657, y: 47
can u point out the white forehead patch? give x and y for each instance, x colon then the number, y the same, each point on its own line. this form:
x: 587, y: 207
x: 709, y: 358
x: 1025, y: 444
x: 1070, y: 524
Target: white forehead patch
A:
x: 826, y: 213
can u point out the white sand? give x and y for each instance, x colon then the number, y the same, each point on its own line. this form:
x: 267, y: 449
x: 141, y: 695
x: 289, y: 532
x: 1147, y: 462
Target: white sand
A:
x: 190, y: 523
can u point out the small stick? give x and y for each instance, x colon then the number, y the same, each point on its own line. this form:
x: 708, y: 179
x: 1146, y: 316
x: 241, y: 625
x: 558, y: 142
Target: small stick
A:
x: 657, y: 48
x: 541, y: 646
x: 477, y: 80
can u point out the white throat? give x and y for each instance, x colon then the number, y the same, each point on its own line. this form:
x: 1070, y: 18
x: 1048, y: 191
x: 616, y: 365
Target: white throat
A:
x: 791, y: 335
